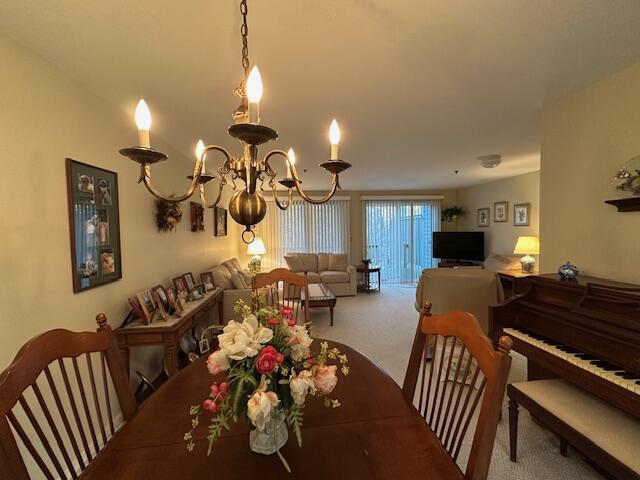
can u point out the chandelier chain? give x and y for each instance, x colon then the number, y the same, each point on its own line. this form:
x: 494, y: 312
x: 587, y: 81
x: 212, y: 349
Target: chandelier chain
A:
x: 244, y: 31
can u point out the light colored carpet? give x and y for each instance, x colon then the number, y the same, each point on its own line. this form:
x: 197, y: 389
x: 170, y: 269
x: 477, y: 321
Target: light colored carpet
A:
x: 382, y: 326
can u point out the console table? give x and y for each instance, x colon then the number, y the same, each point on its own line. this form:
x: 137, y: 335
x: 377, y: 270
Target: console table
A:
x: 166, y: 333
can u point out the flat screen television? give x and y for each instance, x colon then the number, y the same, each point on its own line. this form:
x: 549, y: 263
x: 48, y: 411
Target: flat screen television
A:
x: 459, y: 246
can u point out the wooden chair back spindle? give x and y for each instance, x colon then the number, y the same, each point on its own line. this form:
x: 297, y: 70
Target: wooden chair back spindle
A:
x: 284, y: 288
x: 39, y: 371
x: 458, y: 370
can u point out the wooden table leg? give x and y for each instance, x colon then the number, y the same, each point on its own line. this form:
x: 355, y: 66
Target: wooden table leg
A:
x: 171, y: 358
x: 331, y: 312
x: 220, y: 311
x: 124, y: 356
x: 513, y: 430
x: 379, y: 281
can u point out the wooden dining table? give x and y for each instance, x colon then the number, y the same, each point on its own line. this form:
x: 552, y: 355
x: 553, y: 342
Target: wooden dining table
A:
x: 374, y: 434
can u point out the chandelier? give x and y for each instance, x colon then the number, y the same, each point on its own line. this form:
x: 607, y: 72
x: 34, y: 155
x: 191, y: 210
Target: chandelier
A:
x: 247, y: 206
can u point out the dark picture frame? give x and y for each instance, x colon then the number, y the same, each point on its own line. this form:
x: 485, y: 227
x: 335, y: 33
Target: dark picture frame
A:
x: 501, y: 212
x: 521, y: 212
x: 197, y: 217
x: 94, y: 225
x: 189, y: 281
x: 219, y: 222
x: 484, y: 217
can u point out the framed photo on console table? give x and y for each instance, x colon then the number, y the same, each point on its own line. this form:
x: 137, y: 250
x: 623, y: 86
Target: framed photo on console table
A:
x: 94, y: 225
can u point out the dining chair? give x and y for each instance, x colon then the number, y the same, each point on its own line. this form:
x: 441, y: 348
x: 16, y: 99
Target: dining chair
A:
x: 56, y: 395
x: 448, y: 397
x: 283, y: 288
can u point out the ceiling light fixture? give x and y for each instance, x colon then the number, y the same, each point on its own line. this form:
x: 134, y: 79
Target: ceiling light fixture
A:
x: 490, y: 161
x: 247, y: 206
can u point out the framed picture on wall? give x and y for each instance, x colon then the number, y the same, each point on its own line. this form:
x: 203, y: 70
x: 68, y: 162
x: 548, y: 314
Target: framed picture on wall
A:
x: 501, y: 212
x: 483, y: 217
x: 219, y: 222
x: 94, y: 225
x: 521, y: 214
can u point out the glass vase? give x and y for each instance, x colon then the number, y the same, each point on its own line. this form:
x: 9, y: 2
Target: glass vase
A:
x: 272, y: 438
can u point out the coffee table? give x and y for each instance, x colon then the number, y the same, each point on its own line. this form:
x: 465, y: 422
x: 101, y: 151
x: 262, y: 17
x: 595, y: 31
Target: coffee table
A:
x: 320, y: 296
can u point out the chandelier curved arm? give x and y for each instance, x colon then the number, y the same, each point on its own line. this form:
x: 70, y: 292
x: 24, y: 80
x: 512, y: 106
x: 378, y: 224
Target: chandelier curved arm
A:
x: 222, y: 171
x: 335, y: 184
x: 145, y: 177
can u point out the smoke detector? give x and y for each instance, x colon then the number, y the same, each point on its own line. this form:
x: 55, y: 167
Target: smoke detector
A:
x: 490, y: 161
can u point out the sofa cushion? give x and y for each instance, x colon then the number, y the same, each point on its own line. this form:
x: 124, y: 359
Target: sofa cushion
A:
x: 222, y: 277
x: 323, y: 261
x: 310, y: 261
x: 239, y: 281
x: 233, y: 265
x: 314, y: 277
x: 294, y: 263
x: 338, y: 262
x: 333, y: 276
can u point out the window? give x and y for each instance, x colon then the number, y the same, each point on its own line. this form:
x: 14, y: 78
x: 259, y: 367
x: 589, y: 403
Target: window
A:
x: 304, y: 228
x: 398, y: 237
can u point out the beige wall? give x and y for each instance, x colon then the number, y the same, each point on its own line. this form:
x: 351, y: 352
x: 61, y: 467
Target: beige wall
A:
x: 501, y: 237
x: 586, y: 137
x: 45, y: 117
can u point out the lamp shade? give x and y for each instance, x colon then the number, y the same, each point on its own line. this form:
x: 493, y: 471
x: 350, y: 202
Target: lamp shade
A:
x: 256, y: 247
x: 527, y: 246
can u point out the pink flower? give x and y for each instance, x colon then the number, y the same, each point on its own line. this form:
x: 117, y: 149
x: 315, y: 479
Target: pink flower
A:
x: 291, y: 322
x: 224, y: 388
x: 286, y: 311
x: 273, y: 322
x: 217, y: 363
x: 215, y: 390
x: 268, y: 360
x: 325, y: 379
x: 210, y: 406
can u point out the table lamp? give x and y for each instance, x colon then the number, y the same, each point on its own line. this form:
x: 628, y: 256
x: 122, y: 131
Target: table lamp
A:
x: 527, y: 246
x: 256, y: 248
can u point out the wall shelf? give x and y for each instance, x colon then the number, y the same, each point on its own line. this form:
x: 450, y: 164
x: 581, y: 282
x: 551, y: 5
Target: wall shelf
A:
x: 631, y: 204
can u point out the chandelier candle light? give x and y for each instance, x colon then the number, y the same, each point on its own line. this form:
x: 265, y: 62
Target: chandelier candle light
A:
x: 247, y: 206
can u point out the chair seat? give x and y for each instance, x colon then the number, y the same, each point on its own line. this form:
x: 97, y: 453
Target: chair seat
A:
x: 334, y: 276
x: 612, y: 430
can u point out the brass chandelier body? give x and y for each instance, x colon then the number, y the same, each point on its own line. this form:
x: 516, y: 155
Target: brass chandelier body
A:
x: 246, y: 206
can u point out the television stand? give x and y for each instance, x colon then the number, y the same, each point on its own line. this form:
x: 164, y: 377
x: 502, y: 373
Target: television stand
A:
x: 456, y: 263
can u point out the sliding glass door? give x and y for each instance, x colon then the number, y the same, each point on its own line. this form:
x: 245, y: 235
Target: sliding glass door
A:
x: 398, y: 236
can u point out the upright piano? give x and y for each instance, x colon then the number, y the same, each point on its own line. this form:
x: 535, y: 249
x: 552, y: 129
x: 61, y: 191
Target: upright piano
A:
x: 586, y: 332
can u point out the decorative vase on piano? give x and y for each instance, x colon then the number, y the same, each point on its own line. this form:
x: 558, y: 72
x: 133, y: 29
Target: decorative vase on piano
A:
x: 264, y: 370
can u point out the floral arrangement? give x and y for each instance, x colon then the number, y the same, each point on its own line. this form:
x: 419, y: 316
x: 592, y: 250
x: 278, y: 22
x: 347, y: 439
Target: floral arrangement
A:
x: 168, y: 215
x: 451, y: 213
x: 628, y: 177
x: 270, y: 372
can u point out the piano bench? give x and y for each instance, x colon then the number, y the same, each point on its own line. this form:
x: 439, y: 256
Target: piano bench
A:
x: 604, y: 434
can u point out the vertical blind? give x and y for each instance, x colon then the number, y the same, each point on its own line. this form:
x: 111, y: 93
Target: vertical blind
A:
x: 304, y: 228
x: 398, y: 237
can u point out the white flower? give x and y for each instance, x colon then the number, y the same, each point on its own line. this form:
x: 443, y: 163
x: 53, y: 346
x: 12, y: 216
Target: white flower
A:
x: 241, y: 340
x: 300, y: 385
x: 261, y: 404
x: 299, y: 341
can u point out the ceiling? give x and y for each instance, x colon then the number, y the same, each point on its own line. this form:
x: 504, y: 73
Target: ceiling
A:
x: 420, y: 88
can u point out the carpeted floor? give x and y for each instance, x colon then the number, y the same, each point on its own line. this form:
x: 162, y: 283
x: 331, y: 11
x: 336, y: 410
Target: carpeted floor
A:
x: 382, y: 325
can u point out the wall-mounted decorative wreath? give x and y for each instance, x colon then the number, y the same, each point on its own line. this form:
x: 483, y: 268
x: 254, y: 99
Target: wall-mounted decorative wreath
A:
x: 168, y: 215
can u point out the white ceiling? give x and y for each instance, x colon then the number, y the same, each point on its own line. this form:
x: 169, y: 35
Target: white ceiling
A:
x: 420, y: 87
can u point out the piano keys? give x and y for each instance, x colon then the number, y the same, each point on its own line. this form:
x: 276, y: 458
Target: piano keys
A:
x: 587, y: 332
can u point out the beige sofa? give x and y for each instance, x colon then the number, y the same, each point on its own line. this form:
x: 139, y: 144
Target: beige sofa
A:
x: 236, y: 284
x: 469, y: 290
x: 332, y: 269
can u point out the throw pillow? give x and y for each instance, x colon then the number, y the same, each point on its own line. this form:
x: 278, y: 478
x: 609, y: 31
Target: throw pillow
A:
x: 323, y: 262
x: 338, y: 262
x: 233, y: 265
x: 294, y: 263
x: 238, y: 281
x: 222, y: 277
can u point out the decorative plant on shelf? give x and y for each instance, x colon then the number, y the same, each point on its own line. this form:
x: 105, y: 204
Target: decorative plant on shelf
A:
x: 628, y: 177
x: 451, y: 213
x: 269, y: 372
x: 168, y: 215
